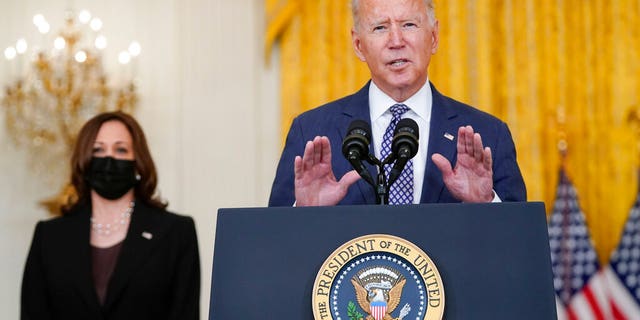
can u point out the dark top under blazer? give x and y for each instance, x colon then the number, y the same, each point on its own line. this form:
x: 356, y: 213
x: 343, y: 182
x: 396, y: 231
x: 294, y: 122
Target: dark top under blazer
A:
x: 156, y: 278
x: 447, y: 115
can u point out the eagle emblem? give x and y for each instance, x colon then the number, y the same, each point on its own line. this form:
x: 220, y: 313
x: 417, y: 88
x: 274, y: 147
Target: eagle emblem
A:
x: 378, y: 277
x: 379, y: 291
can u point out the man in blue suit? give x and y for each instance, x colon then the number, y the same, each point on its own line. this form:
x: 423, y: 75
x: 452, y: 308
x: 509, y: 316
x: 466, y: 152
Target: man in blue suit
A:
x: 396, y: 38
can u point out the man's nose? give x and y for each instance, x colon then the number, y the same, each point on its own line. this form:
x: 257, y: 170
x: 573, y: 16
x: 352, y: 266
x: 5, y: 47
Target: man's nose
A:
x: 396, y: 36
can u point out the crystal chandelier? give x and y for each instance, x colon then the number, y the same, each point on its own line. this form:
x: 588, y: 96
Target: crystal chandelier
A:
x: 60, y: 89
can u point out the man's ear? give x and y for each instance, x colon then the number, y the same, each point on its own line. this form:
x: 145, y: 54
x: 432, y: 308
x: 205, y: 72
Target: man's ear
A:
x: 357, y: 45
x: 435, y: 37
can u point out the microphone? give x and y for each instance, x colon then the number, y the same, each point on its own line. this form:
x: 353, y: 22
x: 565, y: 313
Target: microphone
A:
x: 404, y: 146
x: 355, y: 147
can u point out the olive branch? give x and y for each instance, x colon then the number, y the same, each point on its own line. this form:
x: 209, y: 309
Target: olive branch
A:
x: 352, y: 312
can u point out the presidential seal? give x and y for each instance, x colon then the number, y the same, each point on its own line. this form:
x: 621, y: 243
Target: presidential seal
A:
x: 378, y: 277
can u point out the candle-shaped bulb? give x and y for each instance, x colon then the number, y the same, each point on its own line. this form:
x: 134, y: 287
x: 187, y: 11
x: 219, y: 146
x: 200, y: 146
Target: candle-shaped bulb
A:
x: 81, y: 56
x: 10, y: 53
x: 96, y: 24
x: 134, y: 49
x: 59, y: 43
x: 101, y: 42
x: 21, y: 46
x: 84, y: 17
x: 124, y: 57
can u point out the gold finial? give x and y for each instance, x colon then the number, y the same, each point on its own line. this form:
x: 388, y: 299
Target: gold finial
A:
x: 633, y: 119
x: 563, y: 145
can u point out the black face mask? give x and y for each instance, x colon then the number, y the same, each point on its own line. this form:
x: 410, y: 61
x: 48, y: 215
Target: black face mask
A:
x: 111, y: 178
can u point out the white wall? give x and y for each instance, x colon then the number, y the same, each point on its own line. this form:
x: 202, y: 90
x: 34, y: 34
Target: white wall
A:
x: 208, y: 104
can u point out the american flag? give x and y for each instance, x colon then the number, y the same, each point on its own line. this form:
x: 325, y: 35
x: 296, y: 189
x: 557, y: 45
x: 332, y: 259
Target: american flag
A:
x: 579, y: 285
x: 623, y: 272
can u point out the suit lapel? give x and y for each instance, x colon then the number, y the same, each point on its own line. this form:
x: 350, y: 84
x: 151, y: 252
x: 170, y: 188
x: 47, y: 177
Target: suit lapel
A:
x: 354, y: 111
x: 441, y: 124
x: 80, y: 260
x: 142, y: 237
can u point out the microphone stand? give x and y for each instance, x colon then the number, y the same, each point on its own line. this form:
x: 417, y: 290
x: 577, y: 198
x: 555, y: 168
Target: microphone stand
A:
x: 381, y: 187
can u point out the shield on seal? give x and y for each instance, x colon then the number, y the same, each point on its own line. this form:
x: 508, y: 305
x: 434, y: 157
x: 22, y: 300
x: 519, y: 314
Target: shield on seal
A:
x: 378, y: 309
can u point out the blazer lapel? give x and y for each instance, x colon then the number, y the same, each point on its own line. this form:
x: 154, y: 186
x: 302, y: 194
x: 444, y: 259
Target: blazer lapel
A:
x: 79, y: 262
x: 358, y: 109
x: 441, y: 127
x: 139, y: 243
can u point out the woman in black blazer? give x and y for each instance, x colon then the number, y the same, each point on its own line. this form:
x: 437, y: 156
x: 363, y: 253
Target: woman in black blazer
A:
x: 115, y: 253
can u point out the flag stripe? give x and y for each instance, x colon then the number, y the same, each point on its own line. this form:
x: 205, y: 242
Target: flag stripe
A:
x: 622, y: 301
x: 598, y: 289
x: 561, y: 310
x: 617, y: 315
x: 582, y: 308
x: 593, y: 303
x: 571, y: 314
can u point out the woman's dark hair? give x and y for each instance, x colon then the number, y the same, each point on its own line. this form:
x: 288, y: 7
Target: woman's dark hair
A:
x: 83, y: 152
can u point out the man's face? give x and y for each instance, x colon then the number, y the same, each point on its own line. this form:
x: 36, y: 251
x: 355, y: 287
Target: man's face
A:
x: 396, y: 39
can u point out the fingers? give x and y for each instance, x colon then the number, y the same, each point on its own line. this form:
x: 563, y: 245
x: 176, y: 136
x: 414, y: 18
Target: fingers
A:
x: 473, y: 146
x: 308, y: 156
x: 325, y: 149
x: 462, y: 141
x: 488, y: 159
x: 321, y: 150
x: 297, y: 167
x: 349, y: 178
x: 477, y: 147
x: 470, y: 142
x: 466, y: 140
x: 315, y: 152
x: 442, y: 163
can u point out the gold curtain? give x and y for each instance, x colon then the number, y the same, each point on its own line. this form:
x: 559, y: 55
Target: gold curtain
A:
x: 549, y: 68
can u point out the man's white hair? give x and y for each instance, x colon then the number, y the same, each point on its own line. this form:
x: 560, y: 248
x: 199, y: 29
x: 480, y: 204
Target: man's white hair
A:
x: 431, y: 11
